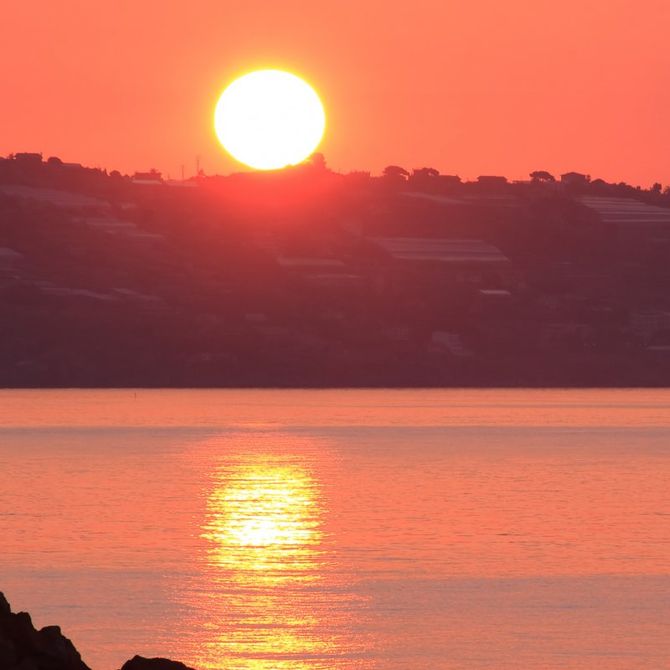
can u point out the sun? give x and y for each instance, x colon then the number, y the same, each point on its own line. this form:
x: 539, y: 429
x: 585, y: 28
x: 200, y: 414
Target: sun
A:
x: 269, y: 119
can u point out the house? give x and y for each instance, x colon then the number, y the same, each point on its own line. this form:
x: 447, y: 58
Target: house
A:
x: 152, y: 177
x: 575, y: 179
x: 28, y: 159
x: 491, y: 180
x: 449, y: 180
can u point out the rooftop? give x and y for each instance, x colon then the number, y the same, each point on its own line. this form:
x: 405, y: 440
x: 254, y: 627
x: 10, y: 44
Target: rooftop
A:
x: 625, y: 211
x: 442, y: 250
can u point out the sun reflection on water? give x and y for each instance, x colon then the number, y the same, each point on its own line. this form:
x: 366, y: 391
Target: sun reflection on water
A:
x: 264, y: 523
x: 267, y: 565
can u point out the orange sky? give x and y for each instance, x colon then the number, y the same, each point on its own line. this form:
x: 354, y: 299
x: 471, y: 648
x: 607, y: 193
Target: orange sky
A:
x: 476, y: 87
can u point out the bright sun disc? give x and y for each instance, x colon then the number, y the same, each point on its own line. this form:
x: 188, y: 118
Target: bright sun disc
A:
x: 269, y: 119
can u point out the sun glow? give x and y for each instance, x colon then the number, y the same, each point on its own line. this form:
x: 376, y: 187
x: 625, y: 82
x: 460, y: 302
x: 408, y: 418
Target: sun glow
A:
x: 269, y: 119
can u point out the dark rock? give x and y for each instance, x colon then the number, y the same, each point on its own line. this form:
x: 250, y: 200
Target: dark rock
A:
x: 27, y: 664
x: 8, y: 654
x: 22, y: 647
x: 140, y: 663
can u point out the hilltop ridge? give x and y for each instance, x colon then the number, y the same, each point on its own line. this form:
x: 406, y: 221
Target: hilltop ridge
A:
x: 307, y: 277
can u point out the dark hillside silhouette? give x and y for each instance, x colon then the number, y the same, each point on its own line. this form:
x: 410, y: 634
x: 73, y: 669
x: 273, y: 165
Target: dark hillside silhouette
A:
x: 307, y: 277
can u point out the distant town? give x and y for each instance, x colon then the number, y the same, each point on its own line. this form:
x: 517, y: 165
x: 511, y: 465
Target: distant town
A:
x: 310, y: 278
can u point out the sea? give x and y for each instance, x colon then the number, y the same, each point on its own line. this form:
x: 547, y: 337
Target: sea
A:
x: 342, y: 529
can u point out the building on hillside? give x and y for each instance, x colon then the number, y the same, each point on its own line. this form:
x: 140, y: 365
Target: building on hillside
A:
x: 441, y: 250
x: 491, y: 180
x: 462, y: 260
x: 449, y: 179
x: 28, y: 159
x: 574, y: 179
x: 631, y: 218
x: 152, y: 177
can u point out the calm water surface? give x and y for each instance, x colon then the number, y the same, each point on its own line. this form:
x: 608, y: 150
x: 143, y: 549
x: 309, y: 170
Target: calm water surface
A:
x: 332, y: 530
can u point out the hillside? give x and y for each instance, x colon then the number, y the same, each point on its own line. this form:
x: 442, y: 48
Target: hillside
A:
x: 311, y: 278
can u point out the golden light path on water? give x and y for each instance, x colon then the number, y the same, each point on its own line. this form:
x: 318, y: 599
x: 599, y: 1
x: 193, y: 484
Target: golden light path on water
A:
x: 271, y: 604
x: 264, y: 523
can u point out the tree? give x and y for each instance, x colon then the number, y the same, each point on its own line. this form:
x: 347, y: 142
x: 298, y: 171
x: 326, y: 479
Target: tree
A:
x: 318, y: 162
x: 395, y: 172
x: 542, y: 176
